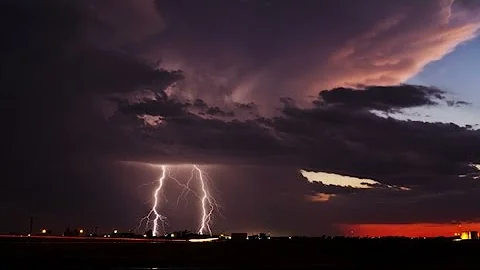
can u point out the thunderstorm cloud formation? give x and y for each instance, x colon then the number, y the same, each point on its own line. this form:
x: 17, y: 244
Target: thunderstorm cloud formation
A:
x: 268, y: 93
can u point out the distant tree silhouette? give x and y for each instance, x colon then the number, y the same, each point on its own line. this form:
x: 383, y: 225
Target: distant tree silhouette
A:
x: 68, y: 232
x: 149, y: 233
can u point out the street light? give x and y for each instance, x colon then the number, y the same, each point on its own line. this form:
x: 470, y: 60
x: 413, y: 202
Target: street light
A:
x: 81, y: 230
x: 44, y: 231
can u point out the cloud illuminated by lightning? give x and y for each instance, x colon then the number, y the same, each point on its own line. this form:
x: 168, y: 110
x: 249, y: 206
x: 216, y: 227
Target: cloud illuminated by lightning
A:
x: 208, y: 204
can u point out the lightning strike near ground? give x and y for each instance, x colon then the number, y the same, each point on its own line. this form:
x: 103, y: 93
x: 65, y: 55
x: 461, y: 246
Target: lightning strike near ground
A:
x: 158, y: 219
x: 207, y: 203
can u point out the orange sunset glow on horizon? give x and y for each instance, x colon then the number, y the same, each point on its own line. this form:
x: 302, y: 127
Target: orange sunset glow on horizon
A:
x: 408, y: 230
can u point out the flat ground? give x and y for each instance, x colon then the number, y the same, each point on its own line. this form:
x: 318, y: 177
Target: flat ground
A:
x: 71, y: 253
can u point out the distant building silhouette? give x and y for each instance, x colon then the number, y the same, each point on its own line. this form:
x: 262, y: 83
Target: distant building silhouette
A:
x: 31, y: 226
x: 68, y: 232
x: 239, y: 236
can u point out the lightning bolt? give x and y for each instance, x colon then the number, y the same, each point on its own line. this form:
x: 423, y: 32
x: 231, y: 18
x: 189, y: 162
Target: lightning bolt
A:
x: 185, y: 187
x: 158, y: 219
x: 208, y: 204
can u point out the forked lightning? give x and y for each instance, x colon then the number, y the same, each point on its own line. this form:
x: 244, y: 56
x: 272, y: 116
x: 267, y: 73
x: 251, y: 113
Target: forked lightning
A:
x: 207, y: 203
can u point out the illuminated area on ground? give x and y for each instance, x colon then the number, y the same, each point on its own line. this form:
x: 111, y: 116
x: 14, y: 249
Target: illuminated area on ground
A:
x: 203, y: 240
x: 207, y: 204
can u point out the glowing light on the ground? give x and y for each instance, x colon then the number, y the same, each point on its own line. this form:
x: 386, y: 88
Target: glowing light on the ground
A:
x: 203, y: 240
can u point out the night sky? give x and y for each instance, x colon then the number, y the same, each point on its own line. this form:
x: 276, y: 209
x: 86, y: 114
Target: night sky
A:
x: 310, y: 117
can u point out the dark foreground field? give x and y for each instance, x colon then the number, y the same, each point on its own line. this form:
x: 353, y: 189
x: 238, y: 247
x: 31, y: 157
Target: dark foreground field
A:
x: 270, y: 254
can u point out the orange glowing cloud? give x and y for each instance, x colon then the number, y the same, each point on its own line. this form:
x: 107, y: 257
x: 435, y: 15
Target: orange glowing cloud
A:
x: 392, y: 43
x: 395, y: 49
x: 320, y: 197
x: 408, y: 230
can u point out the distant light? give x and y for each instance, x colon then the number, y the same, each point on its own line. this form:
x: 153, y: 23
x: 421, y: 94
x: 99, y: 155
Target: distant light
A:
x: 465, y: 236
x: 268, y: 238
x: 44, y: 231
x: 29, y: 235
x: 202, y: 240
x: 144, y: 235
x: 115, y: 231
x: 172, y: 235
x: 289, y: 237
x: 81, y: 231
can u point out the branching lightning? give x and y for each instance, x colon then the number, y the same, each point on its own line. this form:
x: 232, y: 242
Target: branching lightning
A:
x: 185, y: 187
x: 208, y: 205
x: 158, y: 219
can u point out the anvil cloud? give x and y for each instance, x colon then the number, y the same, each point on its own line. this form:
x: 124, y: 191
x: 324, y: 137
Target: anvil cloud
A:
x: 254, y: 50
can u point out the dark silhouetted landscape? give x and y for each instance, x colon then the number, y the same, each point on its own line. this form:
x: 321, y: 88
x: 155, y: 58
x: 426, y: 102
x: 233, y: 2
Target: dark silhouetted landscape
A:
x: 295, y: 253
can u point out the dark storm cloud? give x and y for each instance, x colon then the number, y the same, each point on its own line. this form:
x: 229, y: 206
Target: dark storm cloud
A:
x: 216, y: 111
x: 332, y: 138
x: 103, y: 72
x: 246, y: 106
x: 453, y: 103
x: 203, y: 109
x: 242, y: 51
x: 373, y: 146
x: 382, y: 97
x: 54, y: 75
x: 200, y: 104
x: 429, y: 160
x: 160, y: 106
x: 57, y: 140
